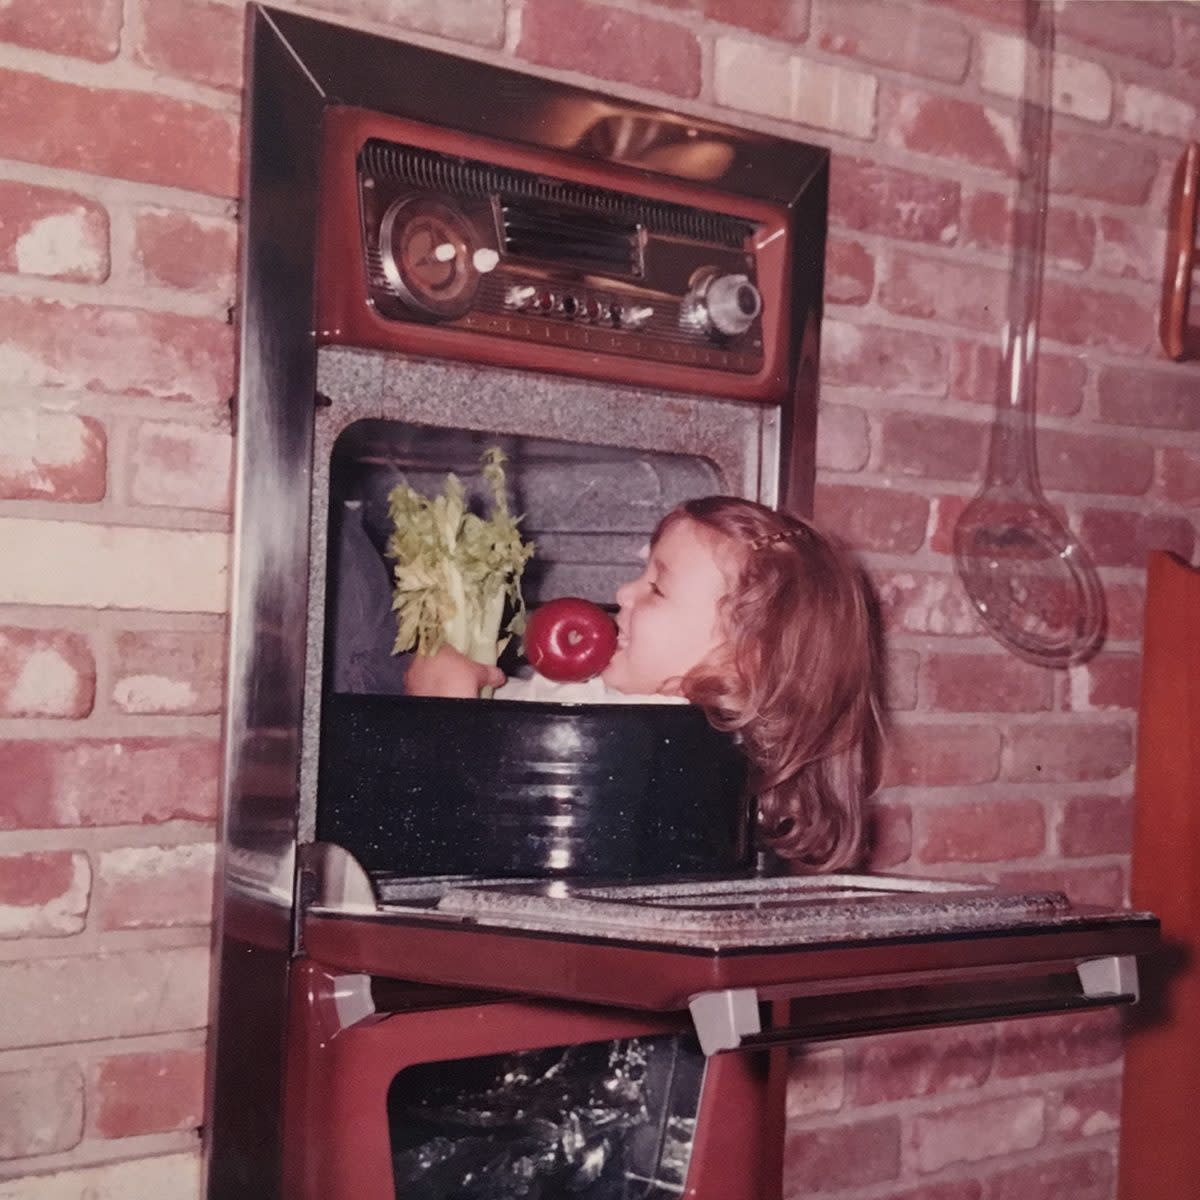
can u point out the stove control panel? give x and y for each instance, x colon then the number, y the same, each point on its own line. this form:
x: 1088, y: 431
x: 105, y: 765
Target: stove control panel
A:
x: 526, y: 258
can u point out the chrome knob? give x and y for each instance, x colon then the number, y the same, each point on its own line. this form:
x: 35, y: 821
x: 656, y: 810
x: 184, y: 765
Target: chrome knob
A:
x: 520, y: 296
x: 636, y: 317
x: 731, y: 303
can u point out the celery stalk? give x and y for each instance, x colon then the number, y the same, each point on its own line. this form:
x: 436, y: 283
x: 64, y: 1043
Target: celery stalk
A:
x: 454, y: 570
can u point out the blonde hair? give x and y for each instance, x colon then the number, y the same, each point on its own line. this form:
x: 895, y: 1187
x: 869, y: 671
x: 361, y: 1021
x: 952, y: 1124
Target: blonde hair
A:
x: 799, y: 678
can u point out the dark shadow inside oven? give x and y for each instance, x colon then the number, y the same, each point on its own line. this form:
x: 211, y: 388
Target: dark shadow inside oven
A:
x: 601, y: 1121
x: 588, y: 510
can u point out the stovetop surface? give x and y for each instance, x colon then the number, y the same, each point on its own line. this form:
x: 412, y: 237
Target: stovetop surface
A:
x: 738, y: 911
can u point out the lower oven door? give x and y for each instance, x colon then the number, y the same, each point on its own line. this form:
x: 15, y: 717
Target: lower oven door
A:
x: 424, y: 1095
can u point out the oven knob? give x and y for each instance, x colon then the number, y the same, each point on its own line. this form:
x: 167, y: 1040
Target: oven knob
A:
x: 521, y: 296
x: 636, y: 316
x: 731, y: 303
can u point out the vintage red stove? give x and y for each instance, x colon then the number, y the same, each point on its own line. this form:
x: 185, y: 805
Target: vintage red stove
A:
x: 440, y: 255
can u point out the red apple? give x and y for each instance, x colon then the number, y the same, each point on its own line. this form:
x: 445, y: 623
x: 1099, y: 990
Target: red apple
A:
x: 569, y: 639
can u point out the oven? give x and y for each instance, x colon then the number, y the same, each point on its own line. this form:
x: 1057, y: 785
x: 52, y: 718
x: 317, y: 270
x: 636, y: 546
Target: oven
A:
x: 440, y: 257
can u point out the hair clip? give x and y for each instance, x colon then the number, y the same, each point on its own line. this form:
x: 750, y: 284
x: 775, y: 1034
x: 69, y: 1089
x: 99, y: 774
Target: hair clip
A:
x: 795, y: 533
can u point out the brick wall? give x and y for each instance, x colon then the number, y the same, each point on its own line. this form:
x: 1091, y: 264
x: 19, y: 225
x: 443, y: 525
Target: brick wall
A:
x: 118, y: 166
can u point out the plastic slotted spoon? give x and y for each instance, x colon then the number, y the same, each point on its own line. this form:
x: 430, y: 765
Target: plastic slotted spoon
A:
x: 1028, y: 576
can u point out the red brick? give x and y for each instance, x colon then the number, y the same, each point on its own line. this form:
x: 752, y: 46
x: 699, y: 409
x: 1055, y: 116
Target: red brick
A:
x: 922, y: 1064
x: 981, y: 831
x: 892, y: 202
x: 963, y: 1189
x: 1187, y: 44
x: 976, y: 376
x: 985, y: 683
x: 784, y: 19
x: 1087, y: 1109
x: 902, y: 679
x: 1128, y: 29
x: 156, y: 1092
x: 168, y: 671
x: 181, y: 250
x: 946, y: 512
x: 1097, y: 166
x: 88, y: 783
x: 942, y: 755
x: 941, y: 289
x: 1095, y: 825
x: 890, y: 837
x: 181, y: 466
x: 50, y: 455
x: 1144, y: 397
x: 1130, y: 251
x: 88, y: 29
x: 52, y: 233
x: 43, y: 894
x: 1124, y: 539
x: 1103, y: 886
x: 191, y: 39
x: 1180, y: 475
x: 881, y: 34
x: 41, y: 1111
x: 1155, y: 111
x: 1070, y: 235
x: 611, y: 43
x: 1082, y: 462
x: 843, y: 438
x: 1040, y: 1045
x: 849, y: 272
x: 843, y: 1156
x: 480, y: 21
x: 816, y: 1081
x: 949, y: 128
x: 1126, y: 604
x: 1056, y: 752
x: 144, y: 136
x: 976, y: 1132
x: 45, y: 673
x: 873, y: 356
x: 1080, y: 1177
x: 1003, y: 12
x: 80, y: 998
x: 931, y: 446
x: 155, y: 887
x: 873, y: 518
x: 924, y: 602
x: 1082, y: 316
x: 86, y: 347
x: 1108, y: 681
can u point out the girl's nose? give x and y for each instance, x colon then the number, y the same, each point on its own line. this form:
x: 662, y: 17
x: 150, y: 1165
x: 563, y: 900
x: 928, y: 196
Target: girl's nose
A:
x: 625, y: 593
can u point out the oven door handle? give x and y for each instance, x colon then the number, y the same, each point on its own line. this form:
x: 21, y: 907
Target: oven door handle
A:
x: 733, y: 1019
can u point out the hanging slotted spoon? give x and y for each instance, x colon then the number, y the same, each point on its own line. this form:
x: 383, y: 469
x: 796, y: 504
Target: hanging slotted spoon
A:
x: 1028, y: 576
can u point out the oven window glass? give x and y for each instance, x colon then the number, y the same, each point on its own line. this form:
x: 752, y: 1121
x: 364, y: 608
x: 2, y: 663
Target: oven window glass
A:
x: 603, y: 1121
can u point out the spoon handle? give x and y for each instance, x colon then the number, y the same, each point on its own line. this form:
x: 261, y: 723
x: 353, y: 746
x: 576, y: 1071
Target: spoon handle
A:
x: 1012, y: 461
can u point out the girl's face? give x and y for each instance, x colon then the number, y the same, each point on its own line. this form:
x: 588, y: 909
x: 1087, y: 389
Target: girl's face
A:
x: 669, y: 619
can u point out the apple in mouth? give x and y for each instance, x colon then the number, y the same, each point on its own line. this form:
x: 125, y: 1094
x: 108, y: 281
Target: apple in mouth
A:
x: 569, y: 640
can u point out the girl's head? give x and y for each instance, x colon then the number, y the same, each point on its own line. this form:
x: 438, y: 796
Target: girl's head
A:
x: 770, y: 627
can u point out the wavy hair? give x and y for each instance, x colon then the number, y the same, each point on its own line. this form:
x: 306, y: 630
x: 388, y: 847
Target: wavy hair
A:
x: 798, y: 680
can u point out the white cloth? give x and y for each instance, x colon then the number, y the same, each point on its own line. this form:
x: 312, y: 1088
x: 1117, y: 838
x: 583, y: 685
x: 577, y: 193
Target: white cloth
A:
x: 591, y: 691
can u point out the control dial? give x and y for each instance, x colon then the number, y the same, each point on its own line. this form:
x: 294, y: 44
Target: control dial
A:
x: 430, y: 258
x: 724, y: 304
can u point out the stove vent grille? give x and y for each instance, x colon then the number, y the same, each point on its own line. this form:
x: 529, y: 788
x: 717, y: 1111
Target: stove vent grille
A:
x: 463, y: 177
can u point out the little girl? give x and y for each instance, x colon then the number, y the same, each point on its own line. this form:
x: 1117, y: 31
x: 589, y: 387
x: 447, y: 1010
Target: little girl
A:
x: 769, y: 627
